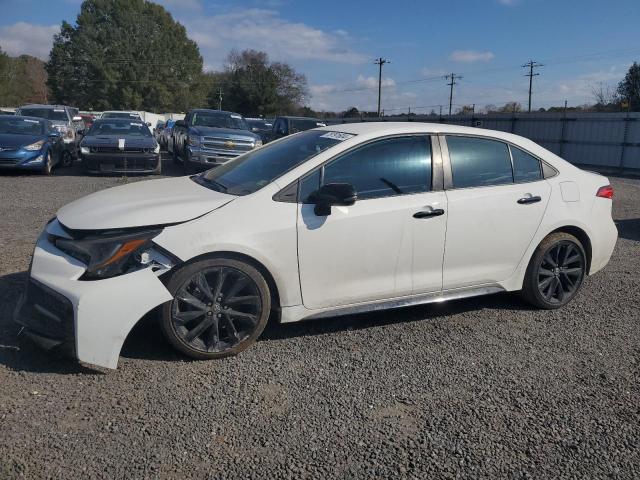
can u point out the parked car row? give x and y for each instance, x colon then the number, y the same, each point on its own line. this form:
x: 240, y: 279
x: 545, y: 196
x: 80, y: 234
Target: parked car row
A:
x: 120, y: 141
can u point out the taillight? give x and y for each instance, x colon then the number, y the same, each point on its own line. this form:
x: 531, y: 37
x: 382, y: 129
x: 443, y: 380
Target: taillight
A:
x: 605, y: 192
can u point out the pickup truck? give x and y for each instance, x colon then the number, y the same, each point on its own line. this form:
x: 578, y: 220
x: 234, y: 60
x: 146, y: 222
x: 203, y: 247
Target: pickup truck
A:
x: 208, y: 138
x: 283, y: 126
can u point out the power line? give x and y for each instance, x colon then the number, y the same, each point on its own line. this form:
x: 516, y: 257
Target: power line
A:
x: 531, y: 64
x: 453, y: 77
x: 380, y: 62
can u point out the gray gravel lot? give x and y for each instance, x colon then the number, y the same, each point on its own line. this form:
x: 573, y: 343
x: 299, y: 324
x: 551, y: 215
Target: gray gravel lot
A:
x: 478, y: 388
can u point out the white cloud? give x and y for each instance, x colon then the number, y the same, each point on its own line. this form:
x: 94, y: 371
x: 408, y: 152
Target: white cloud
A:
x: 265, y: 30
x: 372, y: 82
x: 469, y: 56
x: 26, y: 38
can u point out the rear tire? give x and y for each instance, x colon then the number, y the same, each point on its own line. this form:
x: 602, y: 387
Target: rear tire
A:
x: 556, y: 272
x: 220, y: 307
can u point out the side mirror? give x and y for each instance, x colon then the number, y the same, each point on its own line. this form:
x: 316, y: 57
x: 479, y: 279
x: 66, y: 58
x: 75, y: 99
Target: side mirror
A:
x: 339, y: 194
x: 148, y: 124
x: 180, y: 123
x: 80, y: 131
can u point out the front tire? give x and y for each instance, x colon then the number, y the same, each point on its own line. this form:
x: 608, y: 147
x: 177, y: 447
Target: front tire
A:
x: 556, y: 272
x: 219, y: 308
x: 47, y: 168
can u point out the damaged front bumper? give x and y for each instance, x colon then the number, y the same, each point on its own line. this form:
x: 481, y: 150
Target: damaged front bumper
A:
x: 86, y: 319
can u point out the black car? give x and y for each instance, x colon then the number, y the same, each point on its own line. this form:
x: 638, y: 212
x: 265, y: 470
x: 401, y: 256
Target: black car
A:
x: 261, y: 127
x: 283, y: 126
x: 118, y: 145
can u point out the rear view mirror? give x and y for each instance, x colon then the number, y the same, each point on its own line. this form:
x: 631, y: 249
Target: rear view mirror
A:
x: 339, y: 194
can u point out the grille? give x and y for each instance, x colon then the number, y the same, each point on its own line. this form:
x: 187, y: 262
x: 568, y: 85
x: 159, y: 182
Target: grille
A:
x: 8, y: 161
x: 231, y: 144
x: 117, y: 150
x: 47, y: 313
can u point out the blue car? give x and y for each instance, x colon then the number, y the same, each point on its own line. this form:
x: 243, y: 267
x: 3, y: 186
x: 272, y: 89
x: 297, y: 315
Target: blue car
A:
x: 29, y: 143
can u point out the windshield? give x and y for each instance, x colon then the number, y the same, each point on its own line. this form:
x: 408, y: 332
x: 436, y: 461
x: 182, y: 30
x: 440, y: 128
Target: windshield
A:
x: 119, y: 127
x: 21, y: 126
x: 302, y: 124
x: 58, y: 114
x: 129, y: 115
x: 256, y: 169
x: 218, y: 120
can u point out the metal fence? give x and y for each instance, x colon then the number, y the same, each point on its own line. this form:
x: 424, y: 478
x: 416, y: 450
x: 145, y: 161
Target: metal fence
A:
x: 608, y: 141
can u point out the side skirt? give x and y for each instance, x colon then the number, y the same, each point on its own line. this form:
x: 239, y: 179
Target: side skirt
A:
x: 300, y: 313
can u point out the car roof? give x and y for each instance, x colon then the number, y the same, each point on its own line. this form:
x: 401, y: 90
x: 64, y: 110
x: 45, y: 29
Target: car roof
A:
x: 122, y: 111
x: 301, y: 118
x: 39, y: 105
x: 392, y: 128
x: 213, y: 110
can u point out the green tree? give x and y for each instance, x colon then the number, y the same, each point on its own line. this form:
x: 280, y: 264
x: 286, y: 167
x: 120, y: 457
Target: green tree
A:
x: 252, y: 85
x: 629, y: 87
x: 22, y: 80
x: 125, y: 54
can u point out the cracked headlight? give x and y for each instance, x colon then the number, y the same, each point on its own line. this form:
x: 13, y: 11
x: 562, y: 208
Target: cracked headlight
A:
x: 113, y: 255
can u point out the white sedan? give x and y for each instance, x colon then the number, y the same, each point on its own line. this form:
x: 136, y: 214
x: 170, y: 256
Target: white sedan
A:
x: 330, y: 221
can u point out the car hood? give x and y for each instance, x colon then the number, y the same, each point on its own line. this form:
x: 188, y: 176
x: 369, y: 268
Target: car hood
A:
x: 152, y: 202
x: 231, y: 133
x: 10, y: 140
x: 134, y: 141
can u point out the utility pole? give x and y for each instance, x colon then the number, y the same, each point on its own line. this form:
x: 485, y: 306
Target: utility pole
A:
x: 380, y: 62
x: 531, y: 65
x: 453, y: 77
x: 220, y: 98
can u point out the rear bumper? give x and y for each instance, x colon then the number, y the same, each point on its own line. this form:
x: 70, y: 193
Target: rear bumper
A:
x: 121, y: 163
x: 95, y: 316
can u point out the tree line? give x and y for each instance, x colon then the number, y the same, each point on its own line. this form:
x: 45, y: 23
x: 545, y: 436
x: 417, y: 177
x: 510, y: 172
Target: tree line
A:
x: 131, y: 54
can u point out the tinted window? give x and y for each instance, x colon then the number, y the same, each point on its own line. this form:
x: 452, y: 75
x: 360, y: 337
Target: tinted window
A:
x: 21, y: 126
x: 118, y: 127
x: 57, y: 114
x: 252, y: 171
x: 477, y: 162
x: 526, y: 167
x: 396, y: 166
x: 218, y: 120
x: 302, y: 124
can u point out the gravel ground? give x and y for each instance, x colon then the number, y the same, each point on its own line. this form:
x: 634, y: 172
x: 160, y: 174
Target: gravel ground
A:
x: 478, y: 388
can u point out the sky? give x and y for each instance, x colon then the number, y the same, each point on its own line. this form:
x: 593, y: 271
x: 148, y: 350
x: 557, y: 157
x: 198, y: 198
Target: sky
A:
x: 581, y: 43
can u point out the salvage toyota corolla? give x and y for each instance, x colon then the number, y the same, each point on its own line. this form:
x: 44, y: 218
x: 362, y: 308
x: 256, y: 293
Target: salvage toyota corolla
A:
x: 331, y: 221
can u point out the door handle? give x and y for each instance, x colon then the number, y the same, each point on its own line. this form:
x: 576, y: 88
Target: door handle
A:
x: 435, y: 212
x: 527, y: 200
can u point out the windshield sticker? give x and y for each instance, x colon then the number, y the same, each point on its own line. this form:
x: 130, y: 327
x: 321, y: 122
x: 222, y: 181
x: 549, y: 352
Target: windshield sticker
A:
x: 31, y: 121
x: 121, y: 143
x: 133, y: 114
x: 58, y: 109
x: 136, y: 124
x: 337, y: 136
x: 235, y: 116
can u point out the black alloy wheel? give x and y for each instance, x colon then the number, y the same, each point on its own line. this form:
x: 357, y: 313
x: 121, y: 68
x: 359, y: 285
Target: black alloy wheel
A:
x: 220, y: 307
x: 561, y: 271
x: 556, y: 271
x: 67, y: 158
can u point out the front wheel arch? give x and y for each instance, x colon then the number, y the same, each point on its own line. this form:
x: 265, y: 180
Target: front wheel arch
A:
x: 273, y: 287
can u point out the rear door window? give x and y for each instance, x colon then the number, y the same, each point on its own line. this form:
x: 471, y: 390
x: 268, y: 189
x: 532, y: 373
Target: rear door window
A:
x: 478, y: 162
x: 526, y: 167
